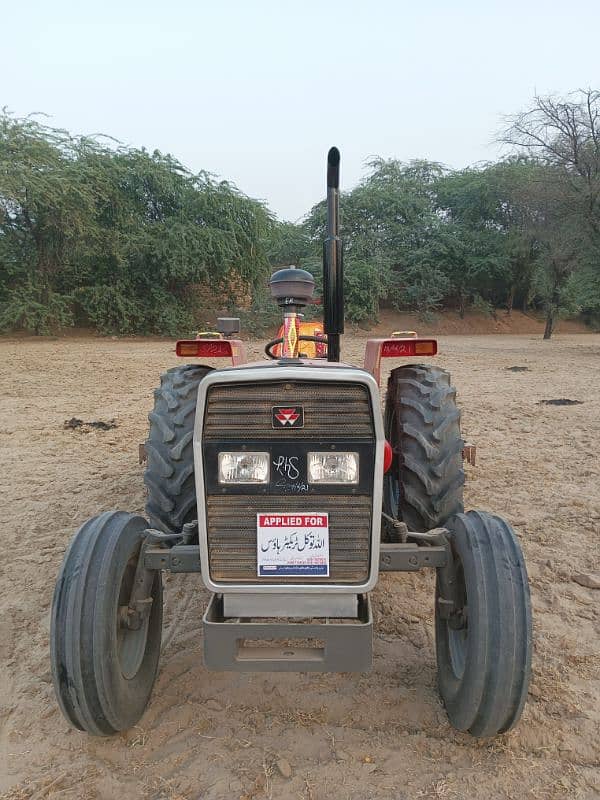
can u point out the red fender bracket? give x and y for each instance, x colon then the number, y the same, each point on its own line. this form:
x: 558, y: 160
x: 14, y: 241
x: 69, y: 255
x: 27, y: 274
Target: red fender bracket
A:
x: 397, y: 347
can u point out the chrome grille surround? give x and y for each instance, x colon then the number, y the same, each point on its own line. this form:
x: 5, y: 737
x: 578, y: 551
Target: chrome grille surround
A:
x: 218, y: 572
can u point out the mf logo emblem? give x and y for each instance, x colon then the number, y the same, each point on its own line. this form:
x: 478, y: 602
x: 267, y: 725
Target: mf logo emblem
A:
x: 288, y: 417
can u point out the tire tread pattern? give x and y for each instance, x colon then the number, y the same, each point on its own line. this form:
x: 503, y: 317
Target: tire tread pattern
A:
x: 83, y: 593
x: 427, y: 443
x: 489, y: 697
x: 169, y: 474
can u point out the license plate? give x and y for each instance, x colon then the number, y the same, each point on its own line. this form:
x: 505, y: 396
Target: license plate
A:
x: 293, y: 545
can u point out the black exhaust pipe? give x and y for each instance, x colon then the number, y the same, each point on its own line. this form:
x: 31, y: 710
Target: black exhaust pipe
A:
x: 333, y: 261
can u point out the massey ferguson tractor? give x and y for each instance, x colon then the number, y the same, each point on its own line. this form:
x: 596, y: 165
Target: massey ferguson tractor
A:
x: 283, y: 484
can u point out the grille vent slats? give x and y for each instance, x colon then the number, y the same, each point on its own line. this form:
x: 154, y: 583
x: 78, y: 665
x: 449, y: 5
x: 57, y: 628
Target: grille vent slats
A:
x: 235, y: 412
x: 232, y: 535
x: 332, y: 412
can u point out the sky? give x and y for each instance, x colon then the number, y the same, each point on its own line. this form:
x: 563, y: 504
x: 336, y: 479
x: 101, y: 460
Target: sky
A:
x: 257, y: 91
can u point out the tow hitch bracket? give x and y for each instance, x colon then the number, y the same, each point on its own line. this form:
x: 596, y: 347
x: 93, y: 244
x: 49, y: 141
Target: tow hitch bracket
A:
x: 410, y: 557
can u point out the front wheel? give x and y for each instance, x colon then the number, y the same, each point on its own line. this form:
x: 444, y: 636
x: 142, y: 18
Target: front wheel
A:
x: 104, y: 662
x: 483, y: 646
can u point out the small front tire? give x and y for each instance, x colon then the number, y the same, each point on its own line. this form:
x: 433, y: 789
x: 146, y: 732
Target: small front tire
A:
x: 484, y: 649
x: 103, y: 670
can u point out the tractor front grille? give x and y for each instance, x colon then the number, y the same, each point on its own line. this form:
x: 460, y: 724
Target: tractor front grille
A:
x: 242, y: 413
x: 232, y: 535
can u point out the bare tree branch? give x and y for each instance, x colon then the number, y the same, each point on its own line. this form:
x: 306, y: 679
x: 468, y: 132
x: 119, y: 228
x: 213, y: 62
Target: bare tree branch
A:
x: 565, y: 134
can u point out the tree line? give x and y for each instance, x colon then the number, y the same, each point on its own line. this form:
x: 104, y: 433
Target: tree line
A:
x: 130, y: 241
x: 114, y: 237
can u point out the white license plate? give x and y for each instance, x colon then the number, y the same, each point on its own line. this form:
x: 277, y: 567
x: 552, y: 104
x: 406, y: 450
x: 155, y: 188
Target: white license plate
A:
x: 293, y: 545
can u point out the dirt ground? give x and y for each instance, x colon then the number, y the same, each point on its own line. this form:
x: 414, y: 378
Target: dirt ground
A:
x: 473, y: 323
x: 382, y: 734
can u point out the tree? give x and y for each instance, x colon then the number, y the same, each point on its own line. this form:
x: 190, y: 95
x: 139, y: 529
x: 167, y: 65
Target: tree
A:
x: 495, y: 200
x: 563, y: 136
x: 289, y: 244
x: 130, y: 241
x: 466, y: 259
x: 565, y: 133
x: 116, y: 236
x: 384, y: 220
x: 561, y: 241
x: 46, y: 221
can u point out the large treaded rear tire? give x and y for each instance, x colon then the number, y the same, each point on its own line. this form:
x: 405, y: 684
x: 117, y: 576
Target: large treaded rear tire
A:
x: 169, y: 474
x: 424, y: 485
x: 103, y: 672
x: 484, y: 664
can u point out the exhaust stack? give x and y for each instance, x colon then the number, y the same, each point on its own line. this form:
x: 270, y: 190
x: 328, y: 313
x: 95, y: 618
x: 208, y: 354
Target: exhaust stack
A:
x: 333, y: 261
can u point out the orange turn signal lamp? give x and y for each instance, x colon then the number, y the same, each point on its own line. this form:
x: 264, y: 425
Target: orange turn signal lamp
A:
x: 204, y: 348
x: 398, y: 348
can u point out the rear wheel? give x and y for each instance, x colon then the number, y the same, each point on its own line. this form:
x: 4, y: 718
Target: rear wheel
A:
x: 169, y: 475
x: 483, y: 647
x: 104, y: 667
x: 424, y: 485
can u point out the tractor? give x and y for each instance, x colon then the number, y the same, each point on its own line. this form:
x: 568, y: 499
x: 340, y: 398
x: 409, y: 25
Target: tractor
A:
x: 288, y: 489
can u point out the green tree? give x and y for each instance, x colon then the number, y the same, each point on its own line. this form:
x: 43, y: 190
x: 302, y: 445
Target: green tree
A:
x: 563, y: 136
x: 116, y: 235
x: 562, y: 242
x: 290, y: 244
x: 495, y: 200
x: 46, y: 221
x: 384, y: 220
x: 462, y: 261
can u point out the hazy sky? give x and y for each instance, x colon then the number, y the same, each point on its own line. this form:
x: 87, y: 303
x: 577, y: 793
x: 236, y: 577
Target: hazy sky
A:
x: 257, y: 91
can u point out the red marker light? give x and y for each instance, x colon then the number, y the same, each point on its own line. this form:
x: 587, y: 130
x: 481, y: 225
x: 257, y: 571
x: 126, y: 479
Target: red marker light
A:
x: 207, y: 348
x: 388, y: 456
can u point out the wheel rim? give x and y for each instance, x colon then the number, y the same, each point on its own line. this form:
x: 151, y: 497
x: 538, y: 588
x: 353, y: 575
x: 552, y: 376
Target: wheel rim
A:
x: 131, y: 643
x: 458, y: 636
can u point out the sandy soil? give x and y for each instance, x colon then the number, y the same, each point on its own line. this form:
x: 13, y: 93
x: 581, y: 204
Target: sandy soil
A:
x: 378, y: 735
x: 473, y: 323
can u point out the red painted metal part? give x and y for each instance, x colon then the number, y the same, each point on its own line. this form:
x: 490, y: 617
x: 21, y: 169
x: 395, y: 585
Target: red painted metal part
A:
x: 388, y: 456
x: 311, y: 349
x: 234, y: 349
x: 289, y: 347
x: 377, y: 349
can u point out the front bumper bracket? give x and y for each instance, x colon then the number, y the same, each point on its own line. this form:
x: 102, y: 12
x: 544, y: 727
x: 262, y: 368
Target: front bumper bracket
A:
x: 403, y: 557
x: 245, y: 645
x: 409, y: 557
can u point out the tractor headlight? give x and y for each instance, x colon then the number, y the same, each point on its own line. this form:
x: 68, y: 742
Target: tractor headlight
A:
x: 243, y: 467
x: 333, y: 467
